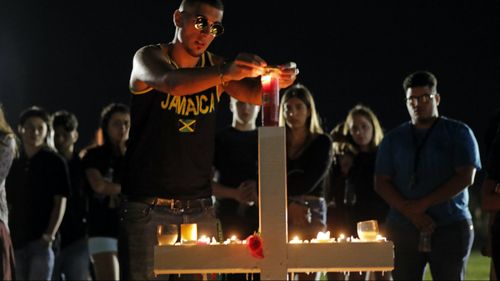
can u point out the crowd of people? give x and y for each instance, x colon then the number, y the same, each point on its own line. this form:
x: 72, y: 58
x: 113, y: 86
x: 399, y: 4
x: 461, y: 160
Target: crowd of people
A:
x: 60, y: 206
x: 92, y: 214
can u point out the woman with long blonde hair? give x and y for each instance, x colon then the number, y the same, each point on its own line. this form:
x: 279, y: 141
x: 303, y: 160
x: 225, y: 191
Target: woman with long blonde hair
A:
x: 363, y: 133
x: 8, y: 150
x: 308, y: 161
x: 363, y: 129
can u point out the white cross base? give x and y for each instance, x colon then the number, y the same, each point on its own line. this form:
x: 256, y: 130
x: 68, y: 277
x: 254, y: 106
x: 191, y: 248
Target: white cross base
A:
x: 280, y: 257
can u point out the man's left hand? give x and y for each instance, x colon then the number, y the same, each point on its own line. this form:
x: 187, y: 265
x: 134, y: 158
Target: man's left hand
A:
x: 288, y: 74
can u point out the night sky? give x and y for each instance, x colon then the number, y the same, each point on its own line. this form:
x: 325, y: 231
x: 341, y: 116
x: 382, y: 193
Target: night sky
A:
x: 77, y: 55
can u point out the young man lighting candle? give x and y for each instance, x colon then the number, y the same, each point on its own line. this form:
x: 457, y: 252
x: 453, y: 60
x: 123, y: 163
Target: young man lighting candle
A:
x: 175, y: 89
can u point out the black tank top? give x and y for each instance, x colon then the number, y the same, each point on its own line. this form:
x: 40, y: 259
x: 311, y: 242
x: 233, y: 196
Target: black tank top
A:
x: 171, y: 145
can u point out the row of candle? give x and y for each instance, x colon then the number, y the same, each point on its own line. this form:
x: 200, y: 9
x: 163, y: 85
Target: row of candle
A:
x: 189, y: 235
x: 324, y: 237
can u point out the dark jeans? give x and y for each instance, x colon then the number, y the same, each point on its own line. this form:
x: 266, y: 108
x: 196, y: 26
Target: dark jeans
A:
x: 450, y: 250
x: 138, y: 222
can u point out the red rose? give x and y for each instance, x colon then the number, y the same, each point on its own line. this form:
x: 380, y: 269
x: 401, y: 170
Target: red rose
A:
x: 254, y: 244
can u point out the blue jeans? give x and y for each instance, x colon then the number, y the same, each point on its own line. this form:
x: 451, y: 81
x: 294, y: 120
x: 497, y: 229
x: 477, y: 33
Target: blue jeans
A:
x: 450, y: 250
x: 35, y: 261
x: 73, y: 262
x: 138, y: 222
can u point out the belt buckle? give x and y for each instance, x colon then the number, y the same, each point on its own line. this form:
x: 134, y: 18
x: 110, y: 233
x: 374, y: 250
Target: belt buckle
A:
x: 169, y: 203
x: 177, y: 206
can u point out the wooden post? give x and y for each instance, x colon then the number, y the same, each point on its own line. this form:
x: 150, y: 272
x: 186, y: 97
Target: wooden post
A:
x: 273, y: 201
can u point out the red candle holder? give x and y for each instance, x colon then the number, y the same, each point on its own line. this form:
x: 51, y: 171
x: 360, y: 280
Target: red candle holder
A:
x: 270, y: 97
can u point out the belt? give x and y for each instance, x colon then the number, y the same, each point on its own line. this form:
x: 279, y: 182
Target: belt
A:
x: 305, y: 199
x: 174, y: 203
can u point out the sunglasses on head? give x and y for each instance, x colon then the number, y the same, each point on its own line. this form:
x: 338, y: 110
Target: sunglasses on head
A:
x: 201, y: 23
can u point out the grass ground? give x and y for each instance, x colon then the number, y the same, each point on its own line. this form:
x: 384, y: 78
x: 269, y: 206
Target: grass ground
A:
x: 478, y: 267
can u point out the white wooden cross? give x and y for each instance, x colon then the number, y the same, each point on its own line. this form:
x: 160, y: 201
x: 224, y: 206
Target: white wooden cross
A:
x: 280, y: 257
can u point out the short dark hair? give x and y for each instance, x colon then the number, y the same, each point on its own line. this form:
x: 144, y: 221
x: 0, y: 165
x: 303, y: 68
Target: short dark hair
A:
x: 214, y: 3
x: 35, y: 111
x: 66, y: 120
x: 106, y: 114
x: 420, y: 79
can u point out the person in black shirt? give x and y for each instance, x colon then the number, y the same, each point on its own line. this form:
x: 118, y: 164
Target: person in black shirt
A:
x: 308, y: 152
x: 103, y: 167
x: 72, y: 262
x: 236, y: 175
x: 308, y: 161
x: 236, y: 172
x: 363, y: 133
x: 176, y: 90
x: 37, y: 190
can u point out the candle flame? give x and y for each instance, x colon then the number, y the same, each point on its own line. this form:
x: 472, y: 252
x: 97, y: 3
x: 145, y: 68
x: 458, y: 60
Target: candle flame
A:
x: 265, y: 79
x: 323, y: 235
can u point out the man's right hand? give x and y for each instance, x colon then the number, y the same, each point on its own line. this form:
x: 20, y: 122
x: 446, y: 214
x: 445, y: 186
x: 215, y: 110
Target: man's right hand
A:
x: 422, y: 221
x: 247, y: 192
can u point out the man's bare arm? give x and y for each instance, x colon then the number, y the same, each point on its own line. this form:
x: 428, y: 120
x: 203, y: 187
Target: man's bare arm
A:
x: 152, y: 70
x: 463, y: 178
x: 56, y: 217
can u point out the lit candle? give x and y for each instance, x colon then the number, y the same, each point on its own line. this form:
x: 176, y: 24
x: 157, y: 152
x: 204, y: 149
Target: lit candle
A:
x: 322, y: 236
x: 189, y: 233
x: 341, y: 238
x: 381, y: 238
x: 295, y: 240
x: 204, y: 240
x: 234, y: 239
x: 270, y: 97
